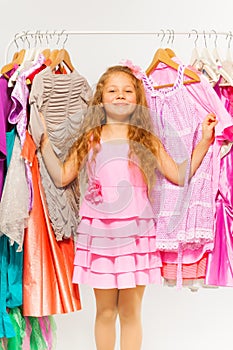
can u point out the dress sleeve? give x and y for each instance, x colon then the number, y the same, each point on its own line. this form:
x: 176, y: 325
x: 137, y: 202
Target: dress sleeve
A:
x: 207, y: 99
x: 36, y: 127
x: 86, y: 94
x: 53, y: 164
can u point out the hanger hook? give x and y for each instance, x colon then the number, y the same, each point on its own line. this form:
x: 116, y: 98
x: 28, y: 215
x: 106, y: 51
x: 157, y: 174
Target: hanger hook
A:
x: 62, y: 32
x: 196, y: 32
x: 23, y: 37
x: 40, y: 36
x: 205, y: 38
x: 65, y: 39
x: 216, y: 37
x: 32, y: 35
x: 230, y: 38
x: 58, y: 35
x: 26, y: 38
x: 37, y: 36
x: 58, y: 38
x: 15, y: 41
x: 173, y: 36
x: 163, y: 33
x: 169, y: 33
x: 46, y: 37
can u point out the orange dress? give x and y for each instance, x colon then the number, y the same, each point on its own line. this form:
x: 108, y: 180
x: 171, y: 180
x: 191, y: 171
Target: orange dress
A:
x: 48, y: 264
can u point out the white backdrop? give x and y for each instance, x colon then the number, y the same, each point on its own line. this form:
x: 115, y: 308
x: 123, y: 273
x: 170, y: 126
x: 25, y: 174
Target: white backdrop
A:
x: 172, y: 319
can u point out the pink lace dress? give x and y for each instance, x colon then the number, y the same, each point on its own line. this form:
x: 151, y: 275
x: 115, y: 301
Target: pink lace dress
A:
x: 184, y: 215
x: 115, y: 245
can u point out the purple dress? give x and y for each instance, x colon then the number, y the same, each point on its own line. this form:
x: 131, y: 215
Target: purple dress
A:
x: 5, y: 108
x: 182, y: 212
x: 205, y: 100
x: 18, y: 114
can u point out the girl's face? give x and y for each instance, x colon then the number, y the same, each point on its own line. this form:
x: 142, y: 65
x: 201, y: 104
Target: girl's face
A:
x: 119, y: 97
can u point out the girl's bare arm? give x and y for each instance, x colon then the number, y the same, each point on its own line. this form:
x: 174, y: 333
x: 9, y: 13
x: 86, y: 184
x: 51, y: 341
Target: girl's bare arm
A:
x: 61, y: 173
x: 176, y: 172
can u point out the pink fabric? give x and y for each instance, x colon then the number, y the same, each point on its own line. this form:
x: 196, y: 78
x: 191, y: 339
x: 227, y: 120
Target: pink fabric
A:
x: 124, y: 196
x: 18, y: 114
x: 116, y: 237
x: 184, y: 215
x: 46, y: 331
x: 26, y: 340
x: 220, y: 261
x: 205, y: 100
x: 189, y: 271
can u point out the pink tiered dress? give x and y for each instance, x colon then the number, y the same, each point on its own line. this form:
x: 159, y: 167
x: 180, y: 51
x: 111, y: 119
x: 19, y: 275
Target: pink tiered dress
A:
x: 115, y: 245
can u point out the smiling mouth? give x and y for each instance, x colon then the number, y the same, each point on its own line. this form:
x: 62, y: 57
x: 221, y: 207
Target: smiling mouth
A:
x: 120, y: 104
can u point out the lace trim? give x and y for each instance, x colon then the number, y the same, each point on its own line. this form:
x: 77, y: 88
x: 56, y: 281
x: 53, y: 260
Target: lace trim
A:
x: 192, y: 284
x: 191, y: 236
x: 14, y: 202
x: 191, y: 240
x: 167, y: 245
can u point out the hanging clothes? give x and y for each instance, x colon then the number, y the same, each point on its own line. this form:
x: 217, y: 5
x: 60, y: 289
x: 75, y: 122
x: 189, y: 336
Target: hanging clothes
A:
x: 179, y: 129
x: 11, y: 260
x: 58, y: 262
x: 18, y: 114
x: 220, y: 262
x: 14, y: 203
x: 62, y: 100
x: 48, y: 264
x: 204, y: 100
x: 5, y: 107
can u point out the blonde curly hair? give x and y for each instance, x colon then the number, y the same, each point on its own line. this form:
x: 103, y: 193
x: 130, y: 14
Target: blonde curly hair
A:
x: 143, y: 144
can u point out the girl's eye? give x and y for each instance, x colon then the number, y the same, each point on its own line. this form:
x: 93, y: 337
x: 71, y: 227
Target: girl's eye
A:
x: 129, y: 91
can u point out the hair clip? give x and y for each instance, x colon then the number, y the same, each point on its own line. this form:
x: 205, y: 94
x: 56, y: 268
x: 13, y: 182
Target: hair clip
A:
x: 136, y: 70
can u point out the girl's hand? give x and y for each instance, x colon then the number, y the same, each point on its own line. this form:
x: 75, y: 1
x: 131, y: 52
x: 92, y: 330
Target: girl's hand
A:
x: 208, y: 128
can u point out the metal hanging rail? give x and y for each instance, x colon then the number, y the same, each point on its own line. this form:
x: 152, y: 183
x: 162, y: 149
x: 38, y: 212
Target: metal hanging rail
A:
x: 167, y: 32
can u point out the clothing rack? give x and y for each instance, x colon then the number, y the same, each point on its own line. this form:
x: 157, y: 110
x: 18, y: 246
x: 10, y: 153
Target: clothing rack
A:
x: 170, y: 33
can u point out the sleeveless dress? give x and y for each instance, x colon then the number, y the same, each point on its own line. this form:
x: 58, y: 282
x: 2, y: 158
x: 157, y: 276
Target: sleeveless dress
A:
x: 184, y: 215
x: 115, y: 245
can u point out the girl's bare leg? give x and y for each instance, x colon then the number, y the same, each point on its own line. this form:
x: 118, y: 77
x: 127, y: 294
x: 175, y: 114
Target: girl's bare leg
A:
x: 106, y: 313
x: 129, y: 309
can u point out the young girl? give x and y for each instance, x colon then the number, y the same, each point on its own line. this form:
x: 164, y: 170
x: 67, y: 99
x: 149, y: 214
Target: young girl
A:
x: 115, y: 248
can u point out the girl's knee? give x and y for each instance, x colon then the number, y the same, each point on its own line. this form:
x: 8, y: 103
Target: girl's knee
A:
x: 127, y: 313
x: 107, y: 314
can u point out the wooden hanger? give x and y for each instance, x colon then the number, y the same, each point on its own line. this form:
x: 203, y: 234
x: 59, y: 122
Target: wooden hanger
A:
x: 46, y: 53
x: 62, y: 57
x: 53, y: 55
x: 16, y: 60
x: 162, y: 56
x: 170, y: 52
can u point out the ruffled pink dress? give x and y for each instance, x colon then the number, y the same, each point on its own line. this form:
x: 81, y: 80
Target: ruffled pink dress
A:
x: 115, y: 245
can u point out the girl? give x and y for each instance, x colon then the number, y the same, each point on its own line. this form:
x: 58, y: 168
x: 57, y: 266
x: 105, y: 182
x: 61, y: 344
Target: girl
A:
x: 115, y: 248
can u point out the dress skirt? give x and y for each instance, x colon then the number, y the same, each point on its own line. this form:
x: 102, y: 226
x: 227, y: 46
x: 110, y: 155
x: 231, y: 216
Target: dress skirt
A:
x: 116, y: 253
